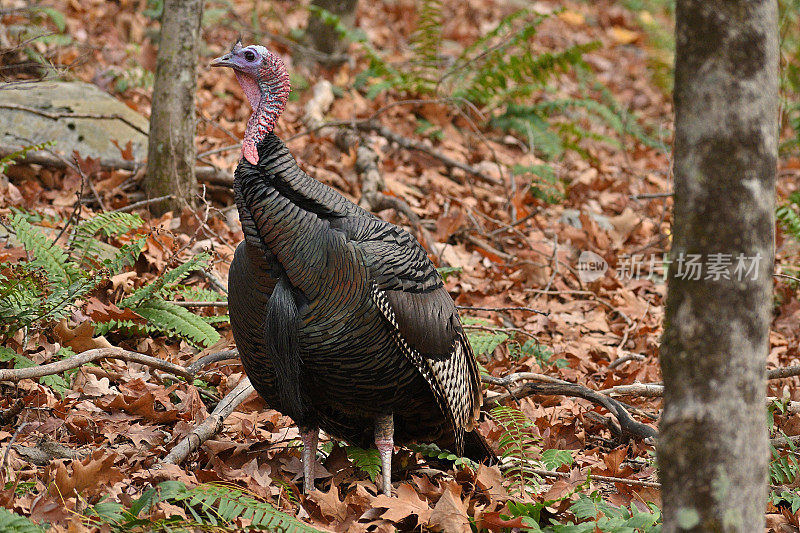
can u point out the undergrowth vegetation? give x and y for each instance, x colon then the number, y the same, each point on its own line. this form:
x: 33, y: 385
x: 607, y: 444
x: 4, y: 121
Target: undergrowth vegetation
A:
x: 502, y: 82
x: 51, y: 282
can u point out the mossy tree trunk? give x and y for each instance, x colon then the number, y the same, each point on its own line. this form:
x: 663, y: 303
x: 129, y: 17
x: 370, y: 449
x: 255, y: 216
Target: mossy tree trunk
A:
x: 713, y: 451
x: 171, y: 150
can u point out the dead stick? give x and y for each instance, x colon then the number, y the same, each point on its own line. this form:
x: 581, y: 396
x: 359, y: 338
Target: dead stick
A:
x: 626, y: 422
x: 211, y: 425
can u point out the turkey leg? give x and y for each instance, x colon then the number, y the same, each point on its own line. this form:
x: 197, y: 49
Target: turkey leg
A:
x: 310, y: 439
x: 384, y: 441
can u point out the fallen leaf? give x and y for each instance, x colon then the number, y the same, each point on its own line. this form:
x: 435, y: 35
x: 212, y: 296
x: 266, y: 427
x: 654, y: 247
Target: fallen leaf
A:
x: 80, y: 338
x: 450, y: 515
x: 623, y: 36
x: 490, y: 480
x: 405, y: 504
x: 329, y: 503
x: 573, y: 18
x: 87, y: 477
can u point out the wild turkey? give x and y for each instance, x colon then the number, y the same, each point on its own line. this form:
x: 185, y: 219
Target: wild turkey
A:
x: 341, y: 320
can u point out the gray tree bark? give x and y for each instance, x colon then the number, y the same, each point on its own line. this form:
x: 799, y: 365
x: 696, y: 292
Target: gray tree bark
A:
x: 171, y: 150
x: 712, y: 450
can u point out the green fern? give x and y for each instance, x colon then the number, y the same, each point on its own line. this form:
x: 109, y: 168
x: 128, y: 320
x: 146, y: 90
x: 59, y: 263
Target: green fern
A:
x: 219, y: 505
x: 211, y: 506
x: 166, y: 317
x: 788, y: 217
x: 47, y: 255
x: 85, y: 246
x: 482, y: 341
x: 11, y: 522
x: 168, y: 278
x: 519, y: 447
x: 368, y: 460
x: 9, y: 160
x: 432, y: 450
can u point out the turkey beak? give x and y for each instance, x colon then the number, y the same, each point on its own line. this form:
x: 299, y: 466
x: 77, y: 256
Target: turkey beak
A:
x: 223, y: 61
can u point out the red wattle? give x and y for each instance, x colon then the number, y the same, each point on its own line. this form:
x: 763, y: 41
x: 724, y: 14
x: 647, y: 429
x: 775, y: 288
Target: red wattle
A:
x: 250, y: 152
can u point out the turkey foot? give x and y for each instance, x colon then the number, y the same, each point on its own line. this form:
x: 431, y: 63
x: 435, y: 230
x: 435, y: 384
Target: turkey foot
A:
x: 384, y: 441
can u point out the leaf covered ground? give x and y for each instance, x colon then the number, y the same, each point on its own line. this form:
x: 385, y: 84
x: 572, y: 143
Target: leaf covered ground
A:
x: 515, y: 234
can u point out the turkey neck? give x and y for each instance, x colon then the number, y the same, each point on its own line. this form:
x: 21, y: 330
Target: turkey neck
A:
x: 268, y: 100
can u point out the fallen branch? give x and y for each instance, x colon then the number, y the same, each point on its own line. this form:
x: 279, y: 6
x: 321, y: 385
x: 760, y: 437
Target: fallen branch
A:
x: 35, y: 372
x: 784, y: 372
x: 211, y: 425
x: 624, y: 359
x: 627, y: 424
x: 208, y: 175
x: 607, y: 479
x: 59, y: 115
x: 17, y: 374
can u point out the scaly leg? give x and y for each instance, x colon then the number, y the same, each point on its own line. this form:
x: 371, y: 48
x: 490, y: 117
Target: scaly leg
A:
x: 310, y: 439
x: 384, y: 441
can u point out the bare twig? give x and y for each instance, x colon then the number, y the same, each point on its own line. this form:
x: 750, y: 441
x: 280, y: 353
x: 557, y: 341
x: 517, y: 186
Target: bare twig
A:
x: 211, y: 358
x: 650, y: 196
x: 211, y: 425
x: 143, y: 203
x: 510, y: 379
x: 607, y: 479
x: 624, y: 359
x: 778, y: 275
x: 495, y: 329
x: 512, y: 308
x: 199, y: 304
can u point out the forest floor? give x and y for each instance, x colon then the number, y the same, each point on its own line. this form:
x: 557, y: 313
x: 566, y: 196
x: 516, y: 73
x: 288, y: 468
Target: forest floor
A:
x: 518, y: 254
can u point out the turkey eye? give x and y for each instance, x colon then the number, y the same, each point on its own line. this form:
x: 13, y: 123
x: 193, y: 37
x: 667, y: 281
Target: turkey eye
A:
x: 249, y: 55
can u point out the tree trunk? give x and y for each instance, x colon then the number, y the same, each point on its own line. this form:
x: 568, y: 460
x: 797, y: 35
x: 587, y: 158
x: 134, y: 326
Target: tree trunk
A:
x: 712, y: 449
x: 171, y: 150
x: 324, y: 38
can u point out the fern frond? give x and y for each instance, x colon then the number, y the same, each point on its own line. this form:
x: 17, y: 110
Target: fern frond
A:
x: 432, y: 450
x: 519, y: 448
x: 126, y: 256
x: 485, y: 342
x: 789, y: 219
x: 169, y: 277
x: 425, y: 42
x: 170, y: 318
x: 47, y: 254
x: 86, y: 248
x: 110, y: 224
x: 11, y: 522
x: 8, y: 160
x: 368, y: 460
x: 220, y: 504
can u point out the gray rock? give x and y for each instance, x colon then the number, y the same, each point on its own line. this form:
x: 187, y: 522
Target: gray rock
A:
x: 89, y: 136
